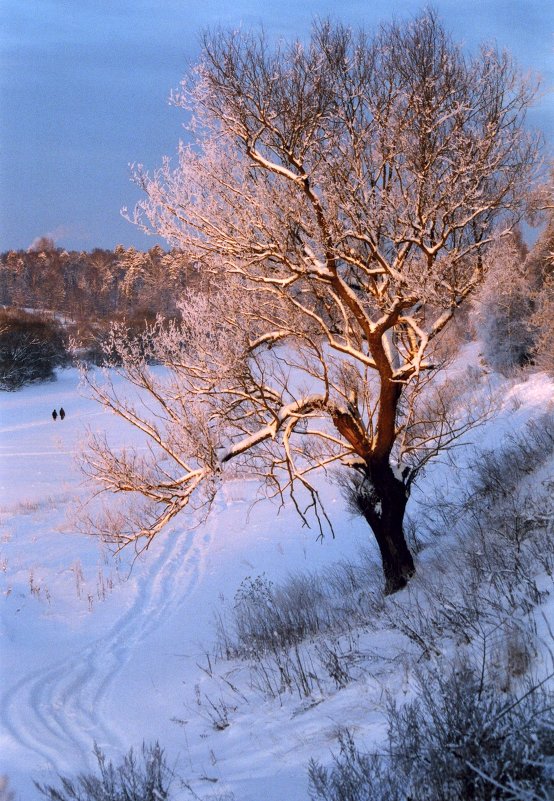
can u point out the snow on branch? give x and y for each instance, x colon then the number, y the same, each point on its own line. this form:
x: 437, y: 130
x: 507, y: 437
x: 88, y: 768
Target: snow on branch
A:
x: 340, y: 200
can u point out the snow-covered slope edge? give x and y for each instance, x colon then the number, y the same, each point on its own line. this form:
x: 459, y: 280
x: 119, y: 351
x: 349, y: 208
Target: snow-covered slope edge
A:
x: 92, y: 652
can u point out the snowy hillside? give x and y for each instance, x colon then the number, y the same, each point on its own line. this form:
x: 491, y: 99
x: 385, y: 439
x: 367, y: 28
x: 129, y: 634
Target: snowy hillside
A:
x: 117, y: 650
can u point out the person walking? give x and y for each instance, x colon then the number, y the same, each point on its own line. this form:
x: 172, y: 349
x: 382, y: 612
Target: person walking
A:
x: 62, y: 413
x: 54, y: 414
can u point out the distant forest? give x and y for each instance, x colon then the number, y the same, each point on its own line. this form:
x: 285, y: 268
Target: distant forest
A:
x: 58, y: 305
x: 96, y: 285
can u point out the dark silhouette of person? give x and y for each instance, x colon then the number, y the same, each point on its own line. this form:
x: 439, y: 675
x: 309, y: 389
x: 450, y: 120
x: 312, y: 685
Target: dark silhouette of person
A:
x: 62, y: 413
x: 54, y: 414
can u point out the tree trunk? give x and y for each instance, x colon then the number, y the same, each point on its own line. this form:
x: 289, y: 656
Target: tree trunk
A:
x: 382, y: 501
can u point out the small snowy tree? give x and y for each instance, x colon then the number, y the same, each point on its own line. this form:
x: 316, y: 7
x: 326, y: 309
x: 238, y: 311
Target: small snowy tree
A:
x: 543, y: 319
x: 541, y: 269
x: 504, y: 307
x: 340, y: 197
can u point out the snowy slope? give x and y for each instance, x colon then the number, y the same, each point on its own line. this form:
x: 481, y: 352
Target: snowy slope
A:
x: 106, y: 649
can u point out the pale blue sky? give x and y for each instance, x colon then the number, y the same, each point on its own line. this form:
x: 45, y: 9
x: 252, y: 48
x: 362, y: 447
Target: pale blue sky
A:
x: 84, y: 87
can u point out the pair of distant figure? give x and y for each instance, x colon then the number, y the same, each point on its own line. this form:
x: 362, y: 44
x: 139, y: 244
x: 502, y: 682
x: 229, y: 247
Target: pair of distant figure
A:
x: 55, y: 414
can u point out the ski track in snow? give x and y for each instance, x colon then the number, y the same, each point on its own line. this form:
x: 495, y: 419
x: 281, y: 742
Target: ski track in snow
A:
x: 64, y: 707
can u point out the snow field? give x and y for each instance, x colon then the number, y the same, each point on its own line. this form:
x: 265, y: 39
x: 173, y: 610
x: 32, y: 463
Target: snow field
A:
x: 106, y: 649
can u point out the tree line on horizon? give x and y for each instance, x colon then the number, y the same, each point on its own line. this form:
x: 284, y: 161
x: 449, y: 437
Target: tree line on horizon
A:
x: 58, y: 305
x: 99, y: 283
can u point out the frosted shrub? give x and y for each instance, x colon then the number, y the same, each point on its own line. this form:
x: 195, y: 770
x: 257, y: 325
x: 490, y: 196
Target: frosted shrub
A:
x: 356, y: 776
x: 497, y: 472
x: 299, y: 635
x: 504, y: 308
x: 460, y: 739
x: 544, y: 321
x: 507, y: 531
x: 541, y: 266
x: 145, y: 778
x: 268, y: 618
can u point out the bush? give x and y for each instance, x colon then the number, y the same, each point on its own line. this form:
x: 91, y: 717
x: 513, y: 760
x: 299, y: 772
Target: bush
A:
x: 460, y: 739
x: 504, y: 308
x: 543, y: 319
x: 31, y: 347
x: 541, y: 264
x: 148, y: 779
x: 267, y: 618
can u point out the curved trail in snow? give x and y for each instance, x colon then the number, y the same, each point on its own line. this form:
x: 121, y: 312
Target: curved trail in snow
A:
x: 57, y: 712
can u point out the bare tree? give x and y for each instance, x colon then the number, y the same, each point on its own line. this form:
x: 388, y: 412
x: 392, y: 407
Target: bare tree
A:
x: 340, y: 197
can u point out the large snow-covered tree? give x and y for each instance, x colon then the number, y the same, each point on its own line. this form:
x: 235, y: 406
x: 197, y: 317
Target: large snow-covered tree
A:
x: 340, y: 198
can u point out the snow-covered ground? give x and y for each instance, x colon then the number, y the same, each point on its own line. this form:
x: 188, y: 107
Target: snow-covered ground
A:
x: 106, y: 649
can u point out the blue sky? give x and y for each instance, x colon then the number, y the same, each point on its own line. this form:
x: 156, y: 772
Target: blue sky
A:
x: 84, y: 88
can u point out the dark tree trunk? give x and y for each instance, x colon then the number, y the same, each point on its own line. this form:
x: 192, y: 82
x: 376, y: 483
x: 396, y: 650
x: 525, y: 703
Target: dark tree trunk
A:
x: 382, y: 500
x: 380, y: 496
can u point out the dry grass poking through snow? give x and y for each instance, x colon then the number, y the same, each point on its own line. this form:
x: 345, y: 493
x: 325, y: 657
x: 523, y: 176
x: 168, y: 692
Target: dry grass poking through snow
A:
x: 467, y: 625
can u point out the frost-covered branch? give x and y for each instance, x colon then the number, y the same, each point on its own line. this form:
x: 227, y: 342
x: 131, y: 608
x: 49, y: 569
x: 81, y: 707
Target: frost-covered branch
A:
x: 340, y: 199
